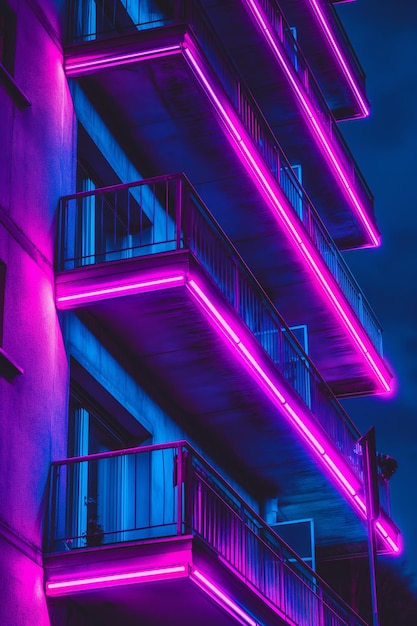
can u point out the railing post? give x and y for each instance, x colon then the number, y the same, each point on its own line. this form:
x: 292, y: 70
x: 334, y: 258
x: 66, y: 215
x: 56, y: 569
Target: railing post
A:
x: 179, y: 490
x: 360, y: 307
x: 243, y: 539
x: 53, y: 507
x: 178, y: 210
x: 321, y: 608
x: 61, y: 234
x: 236, y: 294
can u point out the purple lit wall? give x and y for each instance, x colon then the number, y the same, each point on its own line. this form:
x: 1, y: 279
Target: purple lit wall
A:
x: 36, y: 167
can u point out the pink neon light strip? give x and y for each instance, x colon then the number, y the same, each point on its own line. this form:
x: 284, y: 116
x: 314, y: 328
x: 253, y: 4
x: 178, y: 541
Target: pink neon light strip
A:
x: 110, y: 580
x: 74, y: 67
x: 294, y: 228
x: 224, y: 600
x: 346, y: 480
x: 314, y: 122
x: 343, y: 64
x: 121, y: 290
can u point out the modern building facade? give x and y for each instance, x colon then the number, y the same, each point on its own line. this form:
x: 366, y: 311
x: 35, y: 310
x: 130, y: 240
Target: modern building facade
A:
x: 177, y: 321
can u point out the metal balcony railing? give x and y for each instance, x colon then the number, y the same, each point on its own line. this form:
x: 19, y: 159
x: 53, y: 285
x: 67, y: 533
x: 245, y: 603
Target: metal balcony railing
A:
x: 90, y: 20
x: 153, y: 492
x: 253, y: 120
x: 165, y: 214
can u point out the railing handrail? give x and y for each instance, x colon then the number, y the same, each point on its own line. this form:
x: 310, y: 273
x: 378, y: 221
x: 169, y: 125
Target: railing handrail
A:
x: 249, y: 513
x: 119, y: 186
x: 122, y: 452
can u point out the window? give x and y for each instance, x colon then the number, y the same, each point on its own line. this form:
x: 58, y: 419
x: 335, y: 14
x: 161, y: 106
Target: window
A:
x: 100, y: 489
x: 101, y: 508
x: 7, y: 37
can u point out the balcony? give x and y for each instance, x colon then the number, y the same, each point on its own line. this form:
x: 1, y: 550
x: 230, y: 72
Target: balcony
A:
x: 132, y: 526
x: 148, y: 262
x: 270, y: 64
x: 331, y: 56
x: 242, y: 174
x: 165, y: 214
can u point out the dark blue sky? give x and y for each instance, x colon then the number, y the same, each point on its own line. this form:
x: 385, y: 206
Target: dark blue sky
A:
x: 384, y: 35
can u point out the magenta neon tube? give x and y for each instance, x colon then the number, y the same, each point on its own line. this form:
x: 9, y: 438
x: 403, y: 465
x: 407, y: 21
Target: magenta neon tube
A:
x: 70, y: 300
x: 315, y: 124
x: 341, y: 474
x: 338, y: 53
x: 63, y: 587
x: 217, y: 594
x: 72, y: 68
x: 287, y: 217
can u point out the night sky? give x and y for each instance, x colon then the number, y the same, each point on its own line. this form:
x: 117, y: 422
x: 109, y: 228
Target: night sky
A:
x: 384, y: 35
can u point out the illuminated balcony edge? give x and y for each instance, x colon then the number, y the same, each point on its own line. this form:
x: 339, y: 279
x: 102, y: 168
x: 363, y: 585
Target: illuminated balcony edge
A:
x: 70, y: 586
x: 186, y: 570
x: 343, y: 64
x: 285, y: 215
x: 313, y: 435
x: 334, y: 465
x: 324, y: 140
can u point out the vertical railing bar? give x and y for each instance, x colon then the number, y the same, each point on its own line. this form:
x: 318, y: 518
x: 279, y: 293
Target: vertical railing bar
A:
x: 128, y: 227
x: 114, y: 219
x: 54, y: 504
x: 141, y: 215
x: 179, y: 489
x: 179, y: 209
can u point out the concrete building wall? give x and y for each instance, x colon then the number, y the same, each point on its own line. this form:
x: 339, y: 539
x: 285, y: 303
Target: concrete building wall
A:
x: 36, y: 168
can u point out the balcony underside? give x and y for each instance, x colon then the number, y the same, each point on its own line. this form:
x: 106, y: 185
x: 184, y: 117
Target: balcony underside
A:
x: 270, y: 85
x: 167, y: 598
x: 165, y: 340
x: 158, y: 108
x: 322, y: 60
